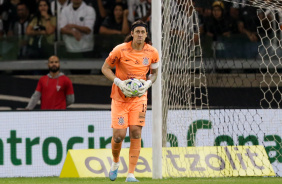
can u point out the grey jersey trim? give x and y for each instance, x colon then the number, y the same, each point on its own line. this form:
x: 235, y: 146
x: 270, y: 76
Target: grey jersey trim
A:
x: 57, y: 76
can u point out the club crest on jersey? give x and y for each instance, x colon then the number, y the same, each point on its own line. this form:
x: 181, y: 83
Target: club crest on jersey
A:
x: 58, y: 88
x: 120, y: 120
x: 145, y: 61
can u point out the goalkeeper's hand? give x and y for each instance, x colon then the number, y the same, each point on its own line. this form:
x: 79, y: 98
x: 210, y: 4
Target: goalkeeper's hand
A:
x: 123, y: 87
x: 146, y: 85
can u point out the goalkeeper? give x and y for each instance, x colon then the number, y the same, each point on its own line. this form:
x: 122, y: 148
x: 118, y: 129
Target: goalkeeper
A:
x: 132, y: 59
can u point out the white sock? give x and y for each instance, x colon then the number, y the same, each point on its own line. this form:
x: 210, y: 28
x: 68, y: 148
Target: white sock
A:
x: 130, y: 175
x: 115, y: 165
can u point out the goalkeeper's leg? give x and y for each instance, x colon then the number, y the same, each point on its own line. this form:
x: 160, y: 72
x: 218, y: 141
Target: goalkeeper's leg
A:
x: 119, y: 124
x: 134, y: 151
x: 116, y: 147
x: 118, y: 136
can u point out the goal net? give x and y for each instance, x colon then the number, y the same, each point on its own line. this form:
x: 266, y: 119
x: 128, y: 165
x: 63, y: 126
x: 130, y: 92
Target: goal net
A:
x: 222, y: 90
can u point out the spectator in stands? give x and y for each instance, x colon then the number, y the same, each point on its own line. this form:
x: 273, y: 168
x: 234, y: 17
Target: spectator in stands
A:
x: 32, y: 6
x: 55, y: 90
x: 109, y: 4
x: 184, y: 30
x: 249, y: 24
x: 42, y: 31
x: 236, y: 7
x: 116, y: 24
x: 8, y: 12
x: 219, y: 26
x: 56, y: 9
x: 103, y: 8
x: 140, y: 10
x: 18, y: 29
x: 186, y: 27
x: 77, y: 23
x: 204, y: 7
x: 101, y: 12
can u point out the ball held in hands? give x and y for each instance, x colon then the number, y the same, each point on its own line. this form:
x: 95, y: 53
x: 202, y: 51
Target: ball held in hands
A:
x: 134, y: 85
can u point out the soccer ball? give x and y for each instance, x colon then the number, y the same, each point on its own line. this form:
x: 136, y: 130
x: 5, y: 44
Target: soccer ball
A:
x: 134, y: 85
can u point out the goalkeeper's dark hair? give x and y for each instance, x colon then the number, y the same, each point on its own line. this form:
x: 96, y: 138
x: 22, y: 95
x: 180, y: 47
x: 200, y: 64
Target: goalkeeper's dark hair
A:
x: 133, y: 26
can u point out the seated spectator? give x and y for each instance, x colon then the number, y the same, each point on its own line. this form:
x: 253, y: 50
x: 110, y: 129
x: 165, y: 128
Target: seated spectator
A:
x: 77, y: 23
x: 116, y: 24
x: 18, y: 29
x: 218, y: 26
x: 249, y: 24
x: 56, y: 9
x: 42, y: 31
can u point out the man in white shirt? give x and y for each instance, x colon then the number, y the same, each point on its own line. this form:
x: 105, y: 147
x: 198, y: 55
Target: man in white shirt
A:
x: 77, y: 23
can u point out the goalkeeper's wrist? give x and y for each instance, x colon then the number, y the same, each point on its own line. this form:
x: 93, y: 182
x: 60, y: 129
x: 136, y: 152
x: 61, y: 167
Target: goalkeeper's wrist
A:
x: 150, y: 83
x: 117, y: 81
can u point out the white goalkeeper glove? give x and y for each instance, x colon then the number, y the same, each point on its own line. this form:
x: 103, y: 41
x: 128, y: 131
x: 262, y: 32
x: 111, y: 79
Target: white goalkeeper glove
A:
x: 146, y: 85
x: 123, y: 87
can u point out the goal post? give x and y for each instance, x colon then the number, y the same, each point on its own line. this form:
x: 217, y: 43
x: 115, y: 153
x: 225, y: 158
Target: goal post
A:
x: 157, y: 94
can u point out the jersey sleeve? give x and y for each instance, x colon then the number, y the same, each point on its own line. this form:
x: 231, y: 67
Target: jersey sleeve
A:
x: 155, y: 60
x: 114, y: 56
x: 69, y: 89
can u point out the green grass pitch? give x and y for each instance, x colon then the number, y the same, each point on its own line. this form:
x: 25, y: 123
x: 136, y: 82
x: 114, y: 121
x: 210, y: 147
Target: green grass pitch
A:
x: 56, y: 180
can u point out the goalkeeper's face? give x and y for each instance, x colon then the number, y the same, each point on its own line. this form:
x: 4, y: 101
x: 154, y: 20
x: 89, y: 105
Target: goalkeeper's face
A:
x: 139, y: 34
x: 54, y: 64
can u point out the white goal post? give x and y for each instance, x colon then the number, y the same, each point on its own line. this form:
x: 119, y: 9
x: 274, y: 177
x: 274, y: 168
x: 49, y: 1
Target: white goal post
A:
x: 157, y: 94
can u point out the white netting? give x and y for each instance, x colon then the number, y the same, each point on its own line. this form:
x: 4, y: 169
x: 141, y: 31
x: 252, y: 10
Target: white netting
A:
x: 184, y: 81
x: 191, y: 118
x: 265, y: 4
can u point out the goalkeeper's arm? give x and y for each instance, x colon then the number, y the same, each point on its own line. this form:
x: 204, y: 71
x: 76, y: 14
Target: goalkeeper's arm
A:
x: 107, y: 71
x: 148, y: 83
x: 153, y: 76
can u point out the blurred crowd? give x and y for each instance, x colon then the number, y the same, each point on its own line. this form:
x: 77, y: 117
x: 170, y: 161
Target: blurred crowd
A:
x: 38, y: 24
x: 239, y: 28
